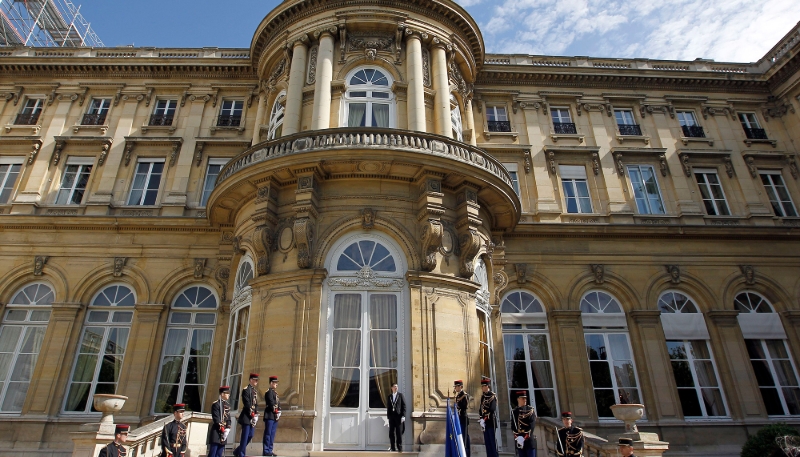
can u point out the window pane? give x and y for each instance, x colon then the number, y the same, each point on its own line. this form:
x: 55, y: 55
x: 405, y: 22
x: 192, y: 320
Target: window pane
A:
x: 380, y: 386
x: 166, y: 396
x: 545, y: 403
x: 514, y: 347
x: 380, y: 115
x: 619, y: 346
x: 193, y: 397
x: 712, y: 398
x: 517, y: 375
x: 604, y: 399
x: 705, y: 374
x: 596, y: 346
x: 84, y: 368
x: 357, y: 115
x: 201, y: 342
x: 762, y: 372
x: 383, y: 348
x: 792, y: 397
x: 601, y: 374
x: 624, y: 374
x: 344, y: 387
x: 683, y: 374
x: 542, y: 375
x: 772, y: 401
x: 171, y: 368
x: 690, y: 403
x: 537, y: 347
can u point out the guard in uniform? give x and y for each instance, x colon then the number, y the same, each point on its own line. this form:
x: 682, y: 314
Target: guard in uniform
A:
x: 173, y: 435
x: 248, y: 416
x: 220, y: 423
x: 524, y: 420
x: 488, y: 413
x: 462, y: 402
x: 116, y: 448
x: 570, y: 438
x: 626, y: 447
x: 272, y: 412
x: 396, y: 413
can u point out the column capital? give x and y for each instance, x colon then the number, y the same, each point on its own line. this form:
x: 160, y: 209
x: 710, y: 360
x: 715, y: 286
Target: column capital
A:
x: 437, y: 42
x: 645, y: 316
x: 792, y: 315
x: 301, y: 40
x: 416, y: 34
x: 330, y: 31
x: 726, y: 317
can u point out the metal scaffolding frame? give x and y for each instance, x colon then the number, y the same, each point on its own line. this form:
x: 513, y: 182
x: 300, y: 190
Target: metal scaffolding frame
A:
x: 44, y: 23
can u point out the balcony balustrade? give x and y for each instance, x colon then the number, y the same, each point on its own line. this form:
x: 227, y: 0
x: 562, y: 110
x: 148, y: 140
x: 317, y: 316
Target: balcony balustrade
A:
x: 161, y: 120
x: 756, y: 134
x: 93, y: 119
x: 27, y: 119
x: 228, y: 120
x: 565, y: 128
x: 499, y: 126
x: 693, y: 131
x: 630, y: 130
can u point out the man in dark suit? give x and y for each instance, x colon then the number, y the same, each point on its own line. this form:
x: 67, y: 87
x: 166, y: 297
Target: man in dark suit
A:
x: 173, y: 435
x: 272, y: 412
x: 396, y: 412
x: 220, y: 423
x: 116, y: 449
x: 248, y: 416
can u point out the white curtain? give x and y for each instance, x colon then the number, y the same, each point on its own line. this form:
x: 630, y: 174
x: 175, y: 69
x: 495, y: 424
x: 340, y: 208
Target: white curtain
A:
x: 346, y: 350
x: 380, y: 115
x: 356, y: 115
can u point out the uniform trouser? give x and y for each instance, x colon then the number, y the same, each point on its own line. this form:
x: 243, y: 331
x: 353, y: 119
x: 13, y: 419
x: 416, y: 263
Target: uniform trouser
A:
x: 270, y: 427
x: 216, y: 450
x: 491, y: 442
x: 395, y: 433
x: 247, y: 436
x: 526, y: 452
x: 465, y: 434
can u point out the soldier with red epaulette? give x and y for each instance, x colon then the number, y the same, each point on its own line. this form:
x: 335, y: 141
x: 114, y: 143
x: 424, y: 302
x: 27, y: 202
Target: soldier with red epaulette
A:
x: 116, y: 449
x: 173, y: 435
x: 220, y: 423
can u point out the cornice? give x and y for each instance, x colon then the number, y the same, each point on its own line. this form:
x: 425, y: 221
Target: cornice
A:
x: 649, y: 232
x: 80, y: 68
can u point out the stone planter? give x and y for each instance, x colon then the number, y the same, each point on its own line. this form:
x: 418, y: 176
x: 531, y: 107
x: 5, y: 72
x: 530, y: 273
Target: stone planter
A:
x: 629, y: 414
x: 108, y: 405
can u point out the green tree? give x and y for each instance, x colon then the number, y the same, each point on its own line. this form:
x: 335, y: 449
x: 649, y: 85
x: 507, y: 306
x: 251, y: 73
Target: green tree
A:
x: 764, y: 444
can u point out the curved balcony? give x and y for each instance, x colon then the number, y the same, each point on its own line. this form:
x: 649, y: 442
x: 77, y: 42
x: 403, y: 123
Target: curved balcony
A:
x: 378, y: 154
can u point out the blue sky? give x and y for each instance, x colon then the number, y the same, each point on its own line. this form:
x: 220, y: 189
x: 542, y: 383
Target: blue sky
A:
x: 724, y: 30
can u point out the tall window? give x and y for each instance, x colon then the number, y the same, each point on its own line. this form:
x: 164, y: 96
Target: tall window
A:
x: 752, y: 129
x: 455, y: 119
x: 609, y: 349
x: 101, y: 352
x: 497, y: 119
x: 512, y: 170
x: 164, y: 112
x: 29, y: 115
x: 689, y: 126
x: 236, y: 343
x: 645, y: 189
x: 626, y: 123
x: 98, y: 110
x: 74, y: 181
x: 276, y: 117
x: 576, y: 189
x: 778, y: 194
x: 527, y: 352
x: 712, y: 193
x: 183, y: 376
x: 369, y: 99
x: 230, y: 114
x: 212, y: 172
x: 9, y: 172
x: 772, y: 362
x: 146, y: 182
x: 562, y: 121
x: 21, y: 335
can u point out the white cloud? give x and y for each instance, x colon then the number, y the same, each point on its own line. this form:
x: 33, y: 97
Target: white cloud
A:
x: 724, y: 30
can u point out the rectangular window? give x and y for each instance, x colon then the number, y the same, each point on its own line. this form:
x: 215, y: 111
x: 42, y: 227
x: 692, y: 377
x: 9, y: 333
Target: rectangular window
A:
x: 696, y: 378
x: 512, y: 170
x: 562, y: 121
x: 528, y: 367
x: 9, y: 172
x: 497, y: 119
x: 626, y: 122
x: 164, y: 112
x: 613, y: 371
x: 485, y: 346
x: 711, y: 191
x: 688, y: 122
x: 752, y: 129
x: 74, y: 181
x: 776, y: 376
x: 146, y: 182
x: 645, y: 189
x: 230, y: 115
x: 778, y: 194
x: 30, y: 112
x: 576, y: 189
x: 98, y: 110
x: 214, y: 167
x: 20, y: 341
x: 235, y: 353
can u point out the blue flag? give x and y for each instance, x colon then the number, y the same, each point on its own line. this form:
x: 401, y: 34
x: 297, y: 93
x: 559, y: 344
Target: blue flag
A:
x: 454, y: 442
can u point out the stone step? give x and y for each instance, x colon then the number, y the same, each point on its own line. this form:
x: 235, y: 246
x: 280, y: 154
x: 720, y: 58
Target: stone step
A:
x: 361, y: 454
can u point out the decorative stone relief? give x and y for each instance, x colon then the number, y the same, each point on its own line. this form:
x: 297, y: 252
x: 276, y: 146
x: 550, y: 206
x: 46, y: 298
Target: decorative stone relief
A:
x: 687, y: 169
x: 128, y: 152
x: 521, y: 270
x: 674, y: 273
x: 222, y: 275
x: 38, y: 264
x: 431, y: 243
x: 426, y: 67
x: 280, y: 68
x: 119, y: 264
x: 551, y: 162
x: 526, y: 157
x: 599, y: 272
x: 304, y: 239
x: 173, y: 156
x: 198, y: 152
x: 662, y: 164
x: 57, y: 153
x: 792, y: 165
x: 199, y: 268
x: 728, y: 166
x: 751, y: 165
x: 749, y: 273
x: 36, y: 146
x: 380, y: 42
x: 470, y: 243
x: 500, y: 282
x: 619, y: 164
x: 595, y: 163
x: 457, y: 78
x: 104, y: 153
x: 311, y: 76
x: 366, y: 278
x: 263, y: 240
x: 368, y: 218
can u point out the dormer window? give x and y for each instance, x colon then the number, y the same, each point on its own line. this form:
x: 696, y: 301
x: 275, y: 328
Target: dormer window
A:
x: 369, y: 101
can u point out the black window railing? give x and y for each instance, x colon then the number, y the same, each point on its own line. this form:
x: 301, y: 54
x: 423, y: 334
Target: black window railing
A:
x: 499, y: 126
x: 27, y: 118
x: 693, y: 131
x: 565, y: 128
x: 94, y: 119
x: 630, y: 129
x: 161, y: 119
x: 755, y: 134
x: 229, y: 120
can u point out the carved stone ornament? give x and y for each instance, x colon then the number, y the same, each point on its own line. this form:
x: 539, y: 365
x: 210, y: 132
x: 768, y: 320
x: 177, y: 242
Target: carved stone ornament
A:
x: 662, y: 164
x: 749, y: 273
x: 304, y: 239
x: 426, y: 67
x: 619, y: 164
x: 599, y: 272
x: 264, y: 239
x: 199, y: 268
x: 237, y: 245
x: 57, y: 153
x: 173, y: 156
x: 457, y: 78
x: 470, y: 244
x: 198, y: 152
x: 595, y: 163
x: 500, y: 282
x: 366, y: 278
x: 38, y: 264
x: 128, y: 153
x: 728, y: 166
x: 104, y: 153
x: 687, y: 169
x: 222, y: 275
x: 278, y: 72
x: 119, y: 264
x: 311, y: 78
x: 551, y: 162
x: 368, y: 218
x: 792, y: 166
x: 751, y: 165
x: 526, y: 157
x: 379, y: 42
x: 431, y: 243
x: 674, y: 273
x: 521, y: 270
x: 36, y: 146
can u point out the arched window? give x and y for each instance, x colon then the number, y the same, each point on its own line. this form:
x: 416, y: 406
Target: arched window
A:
x: 599, y: 303
x: 455, y: 119
x: 243, y: 276
x: 183, y: 374
x: 236, y: 343
x: 104, y: 340
x: 676, y: 302
x: 527, y: 352
x: 481, y: 276
x: 366, y: 254
x: 21, y: 334
x: 369, y: 100
x: 770, y: 357
x: 275, y: 127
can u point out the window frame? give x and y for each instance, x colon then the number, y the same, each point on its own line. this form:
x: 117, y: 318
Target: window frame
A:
x: 573, y: 181
x: 101, y: 111
x: 513, y: 171
x: 525, y: 332
x: 81, y: 163
x: 561, y: 110
x: 230, y: 113
x: 643, y: 183
x: 172, y: 103
x: 773, y: 191
x: 239, y: 307
x: 37, y: 109
x: 276, y: 117
x: 610, y: 361
x: 456, y: 120
x: 369, y: 100
x: 749, y: 120
x: 151, y: 161
x: 769, y: 361
x: 690, y: 361
x: 10, y: 161
x: 211, y: 162
x: 693, y: 115
x: 707, y: 171
x: 625, y: 110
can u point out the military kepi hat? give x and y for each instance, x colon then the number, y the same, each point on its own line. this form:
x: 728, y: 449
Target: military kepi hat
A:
x: 122, y: 428
x: 253, y: 375
x: 225, y: 389
x: 625, y: 442
x: 566, y: 415
x: 458, y: 383
x: 485, y: 381
x: 522, y: 394
x: 179, y: 407
x: 273, y: 379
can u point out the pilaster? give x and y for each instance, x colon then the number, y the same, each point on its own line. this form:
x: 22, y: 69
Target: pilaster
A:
x: 569, y: 358
x: 612, y: 180
x: 469, y: 119
x: 430, y: 208
x: 305, y: 215
x: 174, y: 202
x: 144, y: 343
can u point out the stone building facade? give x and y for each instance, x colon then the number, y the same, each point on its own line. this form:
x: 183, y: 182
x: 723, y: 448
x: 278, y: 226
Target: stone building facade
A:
x: 364, y: 196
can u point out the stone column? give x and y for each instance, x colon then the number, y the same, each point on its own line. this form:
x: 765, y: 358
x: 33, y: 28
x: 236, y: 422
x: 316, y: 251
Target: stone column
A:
x: 469, y: 122
x: 416, y: 83
x: 144, y: 346
x: 569, y: 357
x: 294, y: 95
x: 262, y: 100
x: 321, y: 117
x: 441, y: 84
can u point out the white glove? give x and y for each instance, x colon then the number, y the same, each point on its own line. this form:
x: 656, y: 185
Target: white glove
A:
x: 254, y: 420
x: 520, y: 441
x: 225, y: 434
x: 483, y: 425
x: 277, y: 415
x: 402, y: 419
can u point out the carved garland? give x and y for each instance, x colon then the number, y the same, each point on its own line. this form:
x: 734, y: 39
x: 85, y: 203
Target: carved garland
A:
x: 431, y: 243
x: 304, y: 238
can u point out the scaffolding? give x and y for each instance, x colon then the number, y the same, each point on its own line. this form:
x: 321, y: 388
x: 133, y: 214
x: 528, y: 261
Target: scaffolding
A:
x: 44, y: 23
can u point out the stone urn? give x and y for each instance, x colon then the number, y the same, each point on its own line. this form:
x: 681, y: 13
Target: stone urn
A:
x: 108, y: 405
x: 629, y: 414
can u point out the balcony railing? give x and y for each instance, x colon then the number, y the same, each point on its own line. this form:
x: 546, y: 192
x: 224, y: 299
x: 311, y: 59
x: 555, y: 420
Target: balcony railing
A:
x: 693, y: 131
x: 94, y: 119
x: 630, y: 129
x: 565, y: 128
x: 27, y: 119
x: 755, y: 134
x: 161, y: 119
x: 228, y: 120
x: 499, y: 126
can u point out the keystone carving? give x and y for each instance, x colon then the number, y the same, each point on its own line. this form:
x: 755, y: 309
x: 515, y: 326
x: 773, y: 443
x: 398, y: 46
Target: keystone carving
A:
x: 749, y: 273
x: 304, y: 239
x: 199, y: 268
x: 521, y: 270
x: 674, y: 273
x: 222, y: 275
x: 368, y: 218
x: 431, y: 243
x: 263, y: 238
x: 470, y: 244
x: 119, y: 264
x: 38, y: 264
x: 599, y: 272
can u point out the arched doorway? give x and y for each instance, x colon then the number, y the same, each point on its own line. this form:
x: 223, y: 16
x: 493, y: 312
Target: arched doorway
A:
x: 364, y: 314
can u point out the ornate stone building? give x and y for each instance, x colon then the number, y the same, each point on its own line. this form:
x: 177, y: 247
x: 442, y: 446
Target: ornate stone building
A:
x: 365, y: 196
